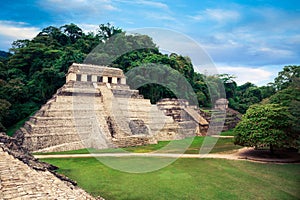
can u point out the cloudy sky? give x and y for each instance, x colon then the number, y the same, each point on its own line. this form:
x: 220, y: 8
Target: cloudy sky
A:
x: 251, y: 39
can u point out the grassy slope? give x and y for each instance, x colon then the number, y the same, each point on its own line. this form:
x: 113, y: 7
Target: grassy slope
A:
x: 186, y: 179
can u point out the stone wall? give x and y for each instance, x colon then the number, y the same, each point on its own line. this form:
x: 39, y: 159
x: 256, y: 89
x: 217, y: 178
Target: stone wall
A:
x: 134, y: 141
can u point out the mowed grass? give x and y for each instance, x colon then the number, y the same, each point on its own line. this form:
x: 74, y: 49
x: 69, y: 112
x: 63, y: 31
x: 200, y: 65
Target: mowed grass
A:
x: 186, y: 179
x: 216, y: 145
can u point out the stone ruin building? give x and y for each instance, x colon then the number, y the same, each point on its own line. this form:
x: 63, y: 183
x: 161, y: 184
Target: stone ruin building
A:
x: 96, y: 109
x: 221, y: 104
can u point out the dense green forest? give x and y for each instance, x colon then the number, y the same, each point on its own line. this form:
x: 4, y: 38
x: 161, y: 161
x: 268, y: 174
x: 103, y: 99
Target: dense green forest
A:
x: 34, y: 69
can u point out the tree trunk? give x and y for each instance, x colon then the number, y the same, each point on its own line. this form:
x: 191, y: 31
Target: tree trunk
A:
x: 272, y: 149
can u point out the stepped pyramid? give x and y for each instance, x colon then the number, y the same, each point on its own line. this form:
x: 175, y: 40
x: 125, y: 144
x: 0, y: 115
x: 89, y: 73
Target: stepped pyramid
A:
x: 96, y: 109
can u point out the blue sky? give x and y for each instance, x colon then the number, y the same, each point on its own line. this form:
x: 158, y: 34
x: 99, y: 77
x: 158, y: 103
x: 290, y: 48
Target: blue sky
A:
x: 251, y: 39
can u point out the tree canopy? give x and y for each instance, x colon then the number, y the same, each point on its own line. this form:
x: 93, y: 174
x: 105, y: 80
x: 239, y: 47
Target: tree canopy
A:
x: 264, y: 125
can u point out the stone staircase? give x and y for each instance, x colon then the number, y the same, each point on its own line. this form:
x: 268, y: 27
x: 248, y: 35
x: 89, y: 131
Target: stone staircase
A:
x: 191, y: 123
x: 72, y: 119
x: 125, y: 106
x: 221, y: 120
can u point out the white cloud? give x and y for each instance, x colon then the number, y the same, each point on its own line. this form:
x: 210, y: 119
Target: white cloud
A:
x: 85, y: 7
x: 222, y: 15
x: 159, y: 16
x: 88, y: 27
x: 16, y: 30
x: 258, y: 76
x: 154, y: 4
x: 218, y: 15
x: 272, y: 52
x: 109, y: 7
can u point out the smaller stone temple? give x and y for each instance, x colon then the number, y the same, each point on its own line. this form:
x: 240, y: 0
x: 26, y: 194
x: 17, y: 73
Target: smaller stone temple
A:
x: 188, y: 117
x: 96, y: 109
x: 221, y: 104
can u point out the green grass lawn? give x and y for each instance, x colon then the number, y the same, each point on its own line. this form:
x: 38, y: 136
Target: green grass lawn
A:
x: 222, y: 145
x: 227, y: 133
x: 186, y: 179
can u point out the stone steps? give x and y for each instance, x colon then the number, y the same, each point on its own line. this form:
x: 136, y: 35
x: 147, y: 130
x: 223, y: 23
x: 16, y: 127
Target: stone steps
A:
x: 55, y: 129
x: 71, y: 99
x: 55, y: 113
x: 88, y: 105
x: 113, y: 109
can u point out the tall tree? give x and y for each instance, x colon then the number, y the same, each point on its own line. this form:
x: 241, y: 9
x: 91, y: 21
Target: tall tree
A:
x: 72, y: 31
x: 107, y: 30
x: 4, y: 106
x: 287, y: 76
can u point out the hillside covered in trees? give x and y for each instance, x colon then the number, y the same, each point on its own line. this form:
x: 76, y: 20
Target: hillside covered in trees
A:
x: 34, y: 69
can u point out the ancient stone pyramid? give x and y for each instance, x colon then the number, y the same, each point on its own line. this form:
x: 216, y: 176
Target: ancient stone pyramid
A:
x: 96, y: 109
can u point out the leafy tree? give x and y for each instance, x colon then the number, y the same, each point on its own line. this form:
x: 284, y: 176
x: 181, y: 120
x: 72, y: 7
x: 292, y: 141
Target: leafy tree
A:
x: 72, y: 31
x: 290, y: 98
x: 107, y: 30
x: 268, y: 90
x: 287, y: 76
x: 18, y: 44
x: 4, y: 106
x: 266, y: 124
x: 201, y: 90
x: 246, y: 95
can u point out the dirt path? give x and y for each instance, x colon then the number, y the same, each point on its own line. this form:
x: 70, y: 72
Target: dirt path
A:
x: 232, y: 156
x: 245, y: 153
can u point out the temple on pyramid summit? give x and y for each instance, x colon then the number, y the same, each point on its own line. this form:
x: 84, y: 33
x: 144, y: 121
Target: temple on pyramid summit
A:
x: 96, y: 109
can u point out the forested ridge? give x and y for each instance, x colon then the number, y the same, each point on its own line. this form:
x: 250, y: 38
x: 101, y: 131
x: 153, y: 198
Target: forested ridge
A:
x: 34, y: 69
